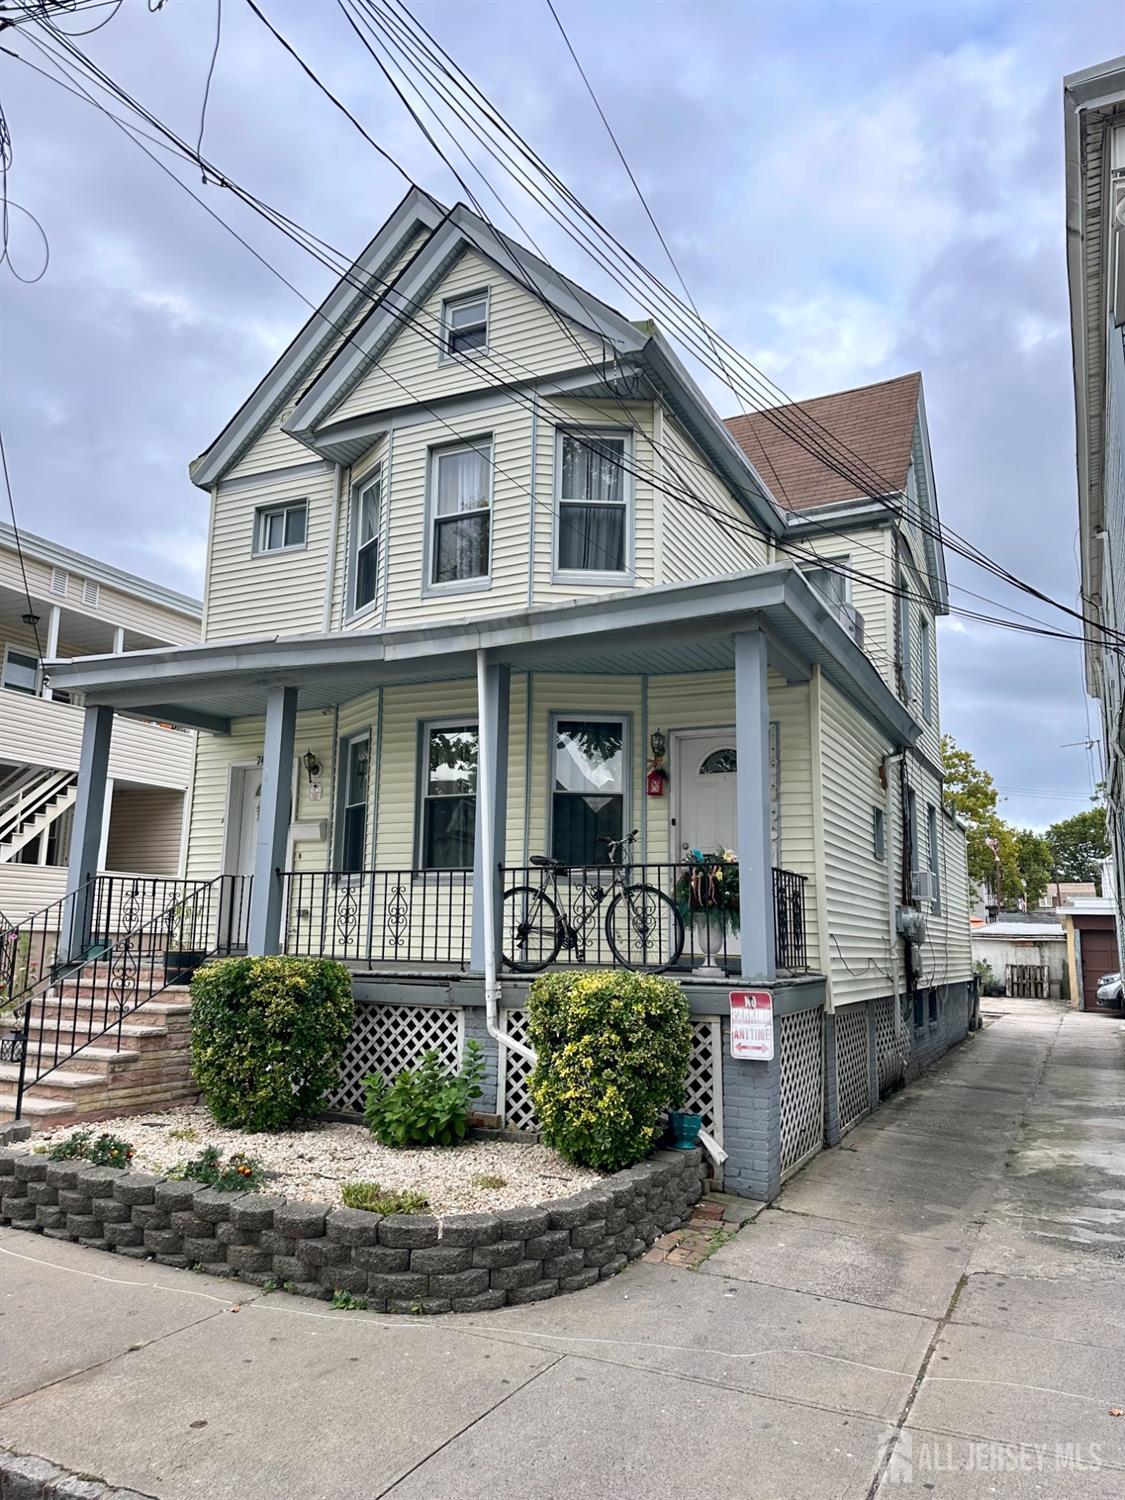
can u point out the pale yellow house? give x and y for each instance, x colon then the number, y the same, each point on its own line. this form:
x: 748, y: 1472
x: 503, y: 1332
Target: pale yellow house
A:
x: 488, y: 579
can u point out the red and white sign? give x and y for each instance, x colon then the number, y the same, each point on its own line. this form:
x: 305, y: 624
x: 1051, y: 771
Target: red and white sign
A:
x: 751, y: 1025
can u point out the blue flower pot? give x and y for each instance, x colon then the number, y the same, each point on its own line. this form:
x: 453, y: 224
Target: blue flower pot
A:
x: 684, y: 1129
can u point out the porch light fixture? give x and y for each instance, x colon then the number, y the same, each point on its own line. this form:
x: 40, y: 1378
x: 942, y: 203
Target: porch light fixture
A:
x: 658, y: 743
x: 31, y: 619
x: 312, y: 765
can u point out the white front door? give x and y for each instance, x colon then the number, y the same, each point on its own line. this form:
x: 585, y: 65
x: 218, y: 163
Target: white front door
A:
x: 705, y: 801
x: 245, y: 804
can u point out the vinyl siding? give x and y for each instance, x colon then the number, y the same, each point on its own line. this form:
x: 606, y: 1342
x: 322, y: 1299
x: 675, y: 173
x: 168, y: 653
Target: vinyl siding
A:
x: 869, y: 550
x: 144, y: 831
x: 253, y: 594
x: 694, y: 541
x: 38, y: 732
x: 524, y: 338
x: 275, y: 449
x: 859, y: 947
x: 946, y: 956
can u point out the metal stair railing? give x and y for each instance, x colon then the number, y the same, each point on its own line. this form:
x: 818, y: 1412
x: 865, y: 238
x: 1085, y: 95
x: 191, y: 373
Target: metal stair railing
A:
x: 115, y: 977
x: 29, y: 802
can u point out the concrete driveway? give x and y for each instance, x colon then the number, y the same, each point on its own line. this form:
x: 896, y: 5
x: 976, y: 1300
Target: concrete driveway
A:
x: 939, y: 1304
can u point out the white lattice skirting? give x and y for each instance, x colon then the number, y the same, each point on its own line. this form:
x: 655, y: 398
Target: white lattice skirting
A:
x: 889, y: 1047
x: 388, y: 1038
x: 801, y: 1054
x: 853, y: 1086
x: 703, y: 1090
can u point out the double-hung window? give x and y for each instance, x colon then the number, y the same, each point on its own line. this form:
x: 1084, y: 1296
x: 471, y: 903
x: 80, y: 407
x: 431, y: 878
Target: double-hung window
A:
x: 593, y: 502
x: 926, y: 669
x: 282, y: 528
x: 355, y: 765
x: 368, y: 518
x: 588, y: 781
x: 460, y: 505
x: 465, y: 325
x: 934, y: 859
x: 449, y: 796
x: 21, y: 671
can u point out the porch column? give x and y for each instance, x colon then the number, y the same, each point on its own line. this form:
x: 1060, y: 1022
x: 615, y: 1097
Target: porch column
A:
x: 755, y: 861
x: 52, y: 646
x: 492, y: 772
x: 86, y: 829
x: 273, y: 820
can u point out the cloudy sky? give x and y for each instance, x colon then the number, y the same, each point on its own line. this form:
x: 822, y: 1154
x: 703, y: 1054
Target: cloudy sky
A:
x: 851, y: 190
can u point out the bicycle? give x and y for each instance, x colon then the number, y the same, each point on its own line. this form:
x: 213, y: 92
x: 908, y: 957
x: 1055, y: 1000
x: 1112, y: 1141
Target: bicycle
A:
x: 643, y: 928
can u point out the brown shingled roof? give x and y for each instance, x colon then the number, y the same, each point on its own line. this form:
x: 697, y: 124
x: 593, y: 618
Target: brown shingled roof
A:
x: 875, y: 421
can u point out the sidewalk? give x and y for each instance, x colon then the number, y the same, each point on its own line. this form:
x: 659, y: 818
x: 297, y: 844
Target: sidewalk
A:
x: 945, y: 1287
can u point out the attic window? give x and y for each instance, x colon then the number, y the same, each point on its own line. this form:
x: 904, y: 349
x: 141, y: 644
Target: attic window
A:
x: 465, y: 325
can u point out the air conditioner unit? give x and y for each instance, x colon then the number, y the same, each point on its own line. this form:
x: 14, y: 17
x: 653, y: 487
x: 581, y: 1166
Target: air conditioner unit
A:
x: 852, y: 621
x: 922, y: 886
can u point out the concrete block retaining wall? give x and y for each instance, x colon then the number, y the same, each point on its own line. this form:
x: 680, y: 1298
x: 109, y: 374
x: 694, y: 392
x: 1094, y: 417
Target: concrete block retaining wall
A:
x: 407, y: 1263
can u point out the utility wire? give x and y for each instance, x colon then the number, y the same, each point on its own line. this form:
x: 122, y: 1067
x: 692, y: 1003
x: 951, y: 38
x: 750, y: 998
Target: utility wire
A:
x: 210, y: 75
x: 32, y: 617
x: 279, y: 221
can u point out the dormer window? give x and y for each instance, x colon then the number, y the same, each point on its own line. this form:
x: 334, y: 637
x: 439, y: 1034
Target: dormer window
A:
x: 465, y: 325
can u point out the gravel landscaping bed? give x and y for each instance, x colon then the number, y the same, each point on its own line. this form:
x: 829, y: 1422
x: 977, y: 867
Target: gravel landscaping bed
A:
x: 312, y: 1164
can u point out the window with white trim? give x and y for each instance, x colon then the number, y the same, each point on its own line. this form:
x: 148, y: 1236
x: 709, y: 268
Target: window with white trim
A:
x: 465, y: 325
x: 934, y: 859
x: 367, y: 520
x: 447, y: 836
x: 460, y: 505
x: 281, y: 528
x: 926, y: 669
x: 588, y: 788
x: 832, y: 580
x: 21, y: 671
x: 593, y: 502
x: 878, y: 833
x: 905, y: 653
x: 355, y: 766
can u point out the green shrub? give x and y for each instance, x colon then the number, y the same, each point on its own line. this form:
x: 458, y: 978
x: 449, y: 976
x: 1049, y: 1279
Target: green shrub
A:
x: 612, y: 1053
x: 268, y: 1036
x: 238, y: 1174
x: 375, y: 1199
x: 104, y: 1150
x: 426, y: 1107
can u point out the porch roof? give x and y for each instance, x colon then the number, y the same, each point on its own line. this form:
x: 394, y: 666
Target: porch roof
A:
x: 670, y: 628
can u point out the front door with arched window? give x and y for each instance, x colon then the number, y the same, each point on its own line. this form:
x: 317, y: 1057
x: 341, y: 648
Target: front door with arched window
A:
x: 705, y: 798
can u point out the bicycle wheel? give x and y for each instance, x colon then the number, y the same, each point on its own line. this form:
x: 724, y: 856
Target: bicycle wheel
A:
x: 533, y: 930
x: 644, y: 929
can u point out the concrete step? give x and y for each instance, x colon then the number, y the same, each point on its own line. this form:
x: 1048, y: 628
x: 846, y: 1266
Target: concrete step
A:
x: 93, y: 1058
x: 154, y: 1012
x: 36, y: 1111
x: 52, y: 1026
x: 57, y: 1085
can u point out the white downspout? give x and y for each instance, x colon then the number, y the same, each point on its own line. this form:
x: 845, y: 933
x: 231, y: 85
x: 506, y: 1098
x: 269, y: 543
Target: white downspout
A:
x: 486, y: 792
x: 892, y: 903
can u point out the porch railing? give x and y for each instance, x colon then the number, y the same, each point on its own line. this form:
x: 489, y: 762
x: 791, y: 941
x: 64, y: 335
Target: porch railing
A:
x: 379, y: 916
x: 791, y: 944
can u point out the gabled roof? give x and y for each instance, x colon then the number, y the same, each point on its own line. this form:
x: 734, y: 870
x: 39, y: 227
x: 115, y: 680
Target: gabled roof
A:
x: 876, y: 422
x: 361, y: 286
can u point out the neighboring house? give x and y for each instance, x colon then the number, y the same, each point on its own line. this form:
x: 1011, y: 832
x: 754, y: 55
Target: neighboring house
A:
x: 1061, y: 891
x: 1092, y: 950
x: 1025, y: 953
x: 81, y: 607
x: 1094, y: 107
x: 474, y: 518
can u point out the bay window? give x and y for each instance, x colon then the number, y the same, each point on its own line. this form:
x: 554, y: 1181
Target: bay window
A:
x: 588, y: 788
x: 593, y: 502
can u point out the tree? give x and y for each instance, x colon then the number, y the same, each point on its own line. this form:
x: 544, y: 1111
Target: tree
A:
x: 968, y: 790
x: 1035, y: 861
x: 1078, y: 844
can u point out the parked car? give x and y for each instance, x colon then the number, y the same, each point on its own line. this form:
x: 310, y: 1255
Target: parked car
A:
x: 1109, y: 989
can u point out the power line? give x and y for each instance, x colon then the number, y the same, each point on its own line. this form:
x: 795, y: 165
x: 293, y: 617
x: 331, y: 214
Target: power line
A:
x: 31, y: 618
x: 210, y: 75
x: 303, y: 236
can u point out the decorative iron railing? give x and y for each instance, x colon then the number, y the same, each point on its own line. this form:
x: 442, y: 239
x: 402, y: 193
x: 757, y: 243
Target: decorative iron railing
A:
x: 375, y: 917
x: 790, y: 941
x: 117, y: 943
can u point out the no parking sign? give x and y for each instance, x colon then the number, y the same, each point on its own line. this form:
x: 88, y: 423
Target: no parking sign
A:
x: 751, y: 1025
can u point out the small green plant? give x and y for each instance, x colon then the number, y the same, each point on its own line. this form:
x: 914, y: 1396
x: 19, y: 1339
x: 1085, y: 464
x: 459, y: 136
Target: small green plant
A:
x: 268, y: 1036
x: 428, y: 1106
x: 290, y: 1287
x: 344, y: 1302
x: 103, y: 1150
x: 269, y: 1286
x: 489, y: 1180
x: 380, y: 1200
x: 185, y: 1134
x: 612, y: 1053
x: 238, y: 1174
